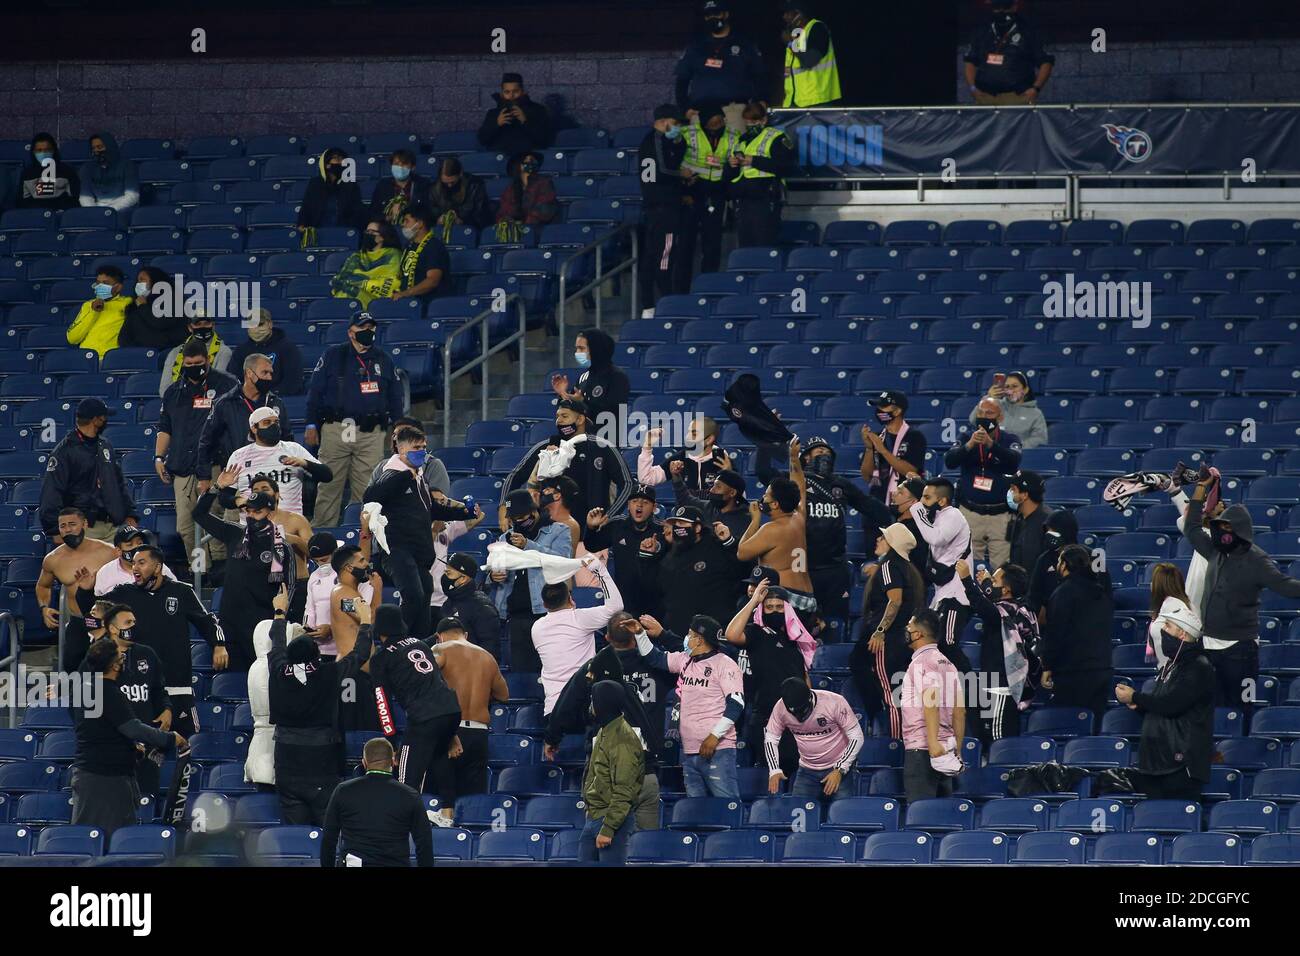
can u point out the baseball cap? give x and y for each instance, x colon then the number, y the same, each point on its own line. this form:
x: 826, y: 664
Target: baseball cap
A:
x: 1028, y: 481
x: 716, y: 6
x: 259, y: 500
x: 464, y: 563
x: 520, y: 503
x: 93, y: 408
x: 642, y: 491
x: 710, y: 110
x: 669, y: 111
x: 127, y: 533
x: 321, y: 544
x: 889, y: 397
x: 732, y: 480
x: 573, y: 404
x: 687, y: 513
x: 262, y: 414
x: 452, y: 623
x: 776, y: 591
x: 361, y: 318
x: 817, y: 441
x: 762, y: 572
x: 388, y: 621
x: 915, y: 487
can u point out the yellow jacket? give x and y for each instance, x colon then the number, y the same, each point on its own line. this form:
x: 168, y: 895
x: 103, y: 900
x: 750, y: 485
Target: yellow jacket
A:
x: 99, y: 330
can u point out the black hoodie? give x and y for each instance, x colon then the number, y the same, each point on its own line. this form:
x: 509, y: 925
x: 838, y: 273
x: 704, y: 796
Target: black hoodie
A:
x: 572, y: 711
x: 1080, y: 617
x: 1178, y: 717
x: 37, y: 192
x: 329, y: 203
x: 286, y: 361
x: 1045, y: 579
x: 604, y: 386
x: 514, y: 137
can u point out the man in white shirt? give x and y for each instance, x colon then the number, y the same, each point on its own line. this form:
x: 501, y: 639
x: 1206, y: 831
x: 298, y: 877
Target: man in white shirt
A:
x: 565, y: 635
x: 947, y: 532
x: 285, y: 461
x: 126, y: 540
x: 320, y: 584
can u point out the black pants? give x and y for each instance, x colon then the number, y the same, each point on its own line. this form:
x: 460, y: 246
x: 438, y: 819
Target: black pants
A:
x: 303, y: 800
x: 920, y: 780
x: 703, y: 224
x: 998, y: 717
x: 1179, y: 785
x: 422, y: 744
x: 1090, y: 689
x: 952, y: 621
x: 105, y: 801
x: 1236, y: 672
x: 357, y: 710
x: 523, y: 656
x: 467, y: 774
x: 185, y: 719
x: 758, y: 220
x: 831, y: 588
x: 416, y: 585
x: 874, y: 674
x: 788, y: 750
x: 659, y: 271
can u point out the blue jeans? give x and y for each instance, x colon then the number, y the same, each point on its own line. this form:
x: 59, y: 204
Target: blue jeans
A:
x: 808, y: 783
x: 711, y: 778
x: 613, y: 855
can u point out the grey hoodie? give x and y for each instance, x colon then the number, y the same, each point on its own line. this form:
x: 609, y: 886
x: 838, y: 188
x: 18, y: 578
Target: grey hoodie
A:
x: 1230, y: 604
x: 1025, y: 419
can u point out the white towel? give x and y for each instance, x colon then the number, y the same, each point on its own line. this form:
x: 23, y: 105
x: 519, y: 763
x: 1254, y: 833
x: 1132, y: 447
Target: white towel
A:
x: 374, y: 518
x: 506, y: 557
x: 552, y: 463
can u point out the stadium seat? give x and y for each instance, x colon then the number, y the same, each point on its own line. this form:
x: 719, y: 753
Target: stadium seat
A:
x: 1130, y: 848
x: 663, y: 846
x: 512, y: 844
x: 706, y: 813
x: 900, y: 847
x: 982, y: 847
x: 1049, y: 847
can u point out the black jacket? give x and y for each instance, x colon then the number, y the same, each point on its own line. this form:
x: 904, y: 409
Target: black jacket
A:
x: 1233, y: 581
x: 345, y: 198
x: 143, y: 329
x: 163, y: 621
x: 1026, y: 537
x: 1080, y: 615
x: 1178, y: 717
x: 185, y: 410
x: 386, y: 190
x: 295, y: 704
x: 479, y: 615
x: 286, y: 361
x: 739, y: 78
x: 227, y: 427
x: 736, y: 520
x: 604, y: 386
x: 377, y: 817
x: 81, y: 473
x: 702, y: 579
x: 666, y: 188
x: 141, y: 683
x: 1044, y: 578
x: 996, y: 465
x: 107, y: 735
x: 633, y: 573
x: 335, y: 394
x: 411, y: 512
x: 515, y: 138
x: 469, y: 201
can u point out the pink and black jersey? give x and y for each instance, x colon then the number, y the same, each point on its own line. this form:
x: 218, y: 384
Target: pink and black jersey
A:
x: 828, y: 740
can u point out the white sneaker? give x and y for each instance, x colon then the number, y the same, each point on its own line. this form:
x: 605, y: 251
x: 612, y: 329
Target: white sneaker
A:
x: 647, y: 313
x: 439, y: 820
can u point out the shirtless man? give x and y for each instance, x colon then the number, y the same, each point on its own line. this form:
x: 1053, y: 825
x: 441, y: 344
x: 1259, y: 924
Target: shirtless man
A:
x: 297, y: 532
x: 781, y: 543
x: 473, y: 674
x: 62, y: 564
x: 356, y: 583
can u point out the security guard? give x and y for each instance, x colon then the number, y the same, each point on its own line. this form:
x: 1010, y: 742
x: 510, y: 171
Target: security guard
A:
x: 720, y: 67
x: 708, y: 147
x: 754, y: 178
x: 352, y: 401
x: 1006, y: 63
x: 811, y: 76
x: 81, y: 473
x: 659, y: 164
x: 185, y: 407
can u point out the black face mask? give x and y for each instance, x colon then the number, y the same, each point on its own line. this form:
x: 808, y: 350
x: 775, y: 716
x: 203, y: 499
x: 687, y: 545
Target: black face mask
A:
x: 821, y: 466
x: 1225, y: 541
x: 715, y: 24
x: 263, y: 385
x: 92, y: 623
x: 365, y: 337
x: 1053, y: 538
x: 932, y: 511
x: 448, y: 585
x: 194, y: 373
x: 525, y: 524
x: 74, y: 540
x: 126, y: 634
x: 988, y: 424
x: 362, y: 575
x: 566, y: 431
x: 203, y: 335
x: 1170, y: 645
x: 1004, y: 20
x: 684, y: 536
x: 764, y: 507
x: 334, y: 171
x: 269, y: 435
x: 259, y: 525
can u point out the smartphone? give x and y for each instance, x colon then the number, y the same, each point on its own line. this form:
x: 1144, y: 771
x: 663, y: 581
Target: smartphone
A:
x: 999, y: 379
x: 349, y: 605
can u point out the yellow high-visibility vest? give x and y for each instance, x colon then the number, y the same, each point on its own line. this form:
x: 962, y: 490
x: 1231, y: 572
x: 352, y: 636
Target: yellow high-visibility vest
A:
x: 705, y: 159
x: 818, y: 84
x: 761, y: 146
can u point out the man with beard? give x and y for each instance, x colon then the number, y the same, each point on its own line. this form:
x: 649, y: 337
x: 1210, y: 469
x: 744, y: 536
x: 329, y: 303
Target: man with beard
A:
x: 633, y: 542
x: 774, y: 657
x: 698, y: 574
x: 897, y: 452
x: 62, y: 564
x: 944, y: 529
x: 782, y: 542
x: 163, y: 612
x: 646, y: 688
x: 828, y: 495
x: 576, y: 452
x: 518, y: 594
x: 724, y: 502
x: 127, y: 540
x: 694, y: 467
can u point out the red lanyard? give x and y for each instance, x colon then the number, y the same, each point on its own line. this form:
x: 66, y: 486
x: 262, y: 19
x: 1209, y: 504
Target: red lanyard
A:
x: 365, y: 370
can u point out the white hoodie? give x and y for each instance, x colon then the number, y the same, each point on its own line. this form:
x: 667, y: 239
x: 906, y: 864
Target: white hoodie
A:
x: 260, y: 765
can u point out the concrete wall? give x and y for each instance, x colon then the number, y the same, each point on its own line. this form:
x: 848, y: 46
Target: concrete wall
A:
x: 1230, y: 71
x: 248, y: 97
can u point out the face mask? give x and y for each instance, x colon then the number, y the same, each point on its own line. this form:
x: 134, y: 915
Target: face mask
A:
x: 334, y: 171
x: 1053, y: 538
x: 92, y: 623
x: 103, y: 290
x: 884, y: 417
x: 448, y: 585
x: 566, y: 431
x: 683, y: 535
x: 74, y: 540
x: 365, y: 337
x: 258, y: 524
x: 203, y: 335
x: 753, y: 129
x: 932, y: 512
x: 548, y: 500
x: 582, y: 358
x: 269, y: 435
x: 361, y: 574
x: 1170, y: 645
x: 101, y: 157
x: 130, y: 555
x: 372, y: 241
x: 1225, y: 541
x: 126, y: 634
x: 821, y: 466
x: 765, y: 507
x: 42, y: 155
x: 408, y: 232
x: 263, y: 385
x: 259, y: 333
x: 142, y: 289
x: 673, y: 132
x: 988, y: 424
x: 718, y: 497
x: 1011, y: 501
x: 529, y: 168
x: 194, y: 373
x: 524, y: 524
x: 1004, y: 19
x: 400, y: 173
x: 416, y: 457
x: 715, y: 24
x: 686, y: 643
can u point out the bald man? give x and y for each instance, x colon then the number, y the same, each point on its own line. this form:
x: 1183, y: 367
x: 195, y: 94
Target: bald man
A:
x: 988, y: 460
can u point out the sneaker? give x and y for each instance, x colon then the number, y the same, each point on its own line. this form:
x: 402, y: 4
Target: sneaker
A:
x: 439, y: 820
x: 647, y: 313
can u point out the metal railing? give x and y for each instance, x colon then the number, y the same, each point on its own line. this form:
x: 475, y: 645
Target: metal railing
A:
x: 9, y: 624
x: 486, y: 352
x: 601, y: 277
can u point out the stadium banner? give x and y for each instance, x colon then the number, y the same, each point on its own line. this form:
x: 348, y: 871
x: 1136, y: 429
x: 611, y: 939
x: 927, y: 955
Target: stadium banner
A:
x: 1137, y: 140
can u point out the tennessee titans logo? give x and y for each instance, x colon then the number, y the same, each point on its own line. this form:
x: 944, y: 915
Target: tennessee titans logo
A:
x: 1133, y: 144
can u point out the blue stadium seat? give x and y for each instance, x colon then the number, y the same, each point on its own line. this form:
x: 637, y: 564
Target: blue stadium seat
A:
x: 1049, y: 847
x: 16, y: 840
x: 895, y: 848
x: 739, y: 846
x: 706, y: 813
x: 864, y: 814
x: 940, y: 815
x: 663, y: 846
x: 1275, y: 849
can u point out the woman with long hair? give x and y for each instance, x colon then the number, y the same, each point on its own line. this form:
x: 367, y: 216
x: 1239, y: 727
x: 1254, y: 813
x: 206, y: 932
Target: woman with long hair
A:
x: 1166, y: 582
x: 370, y: 273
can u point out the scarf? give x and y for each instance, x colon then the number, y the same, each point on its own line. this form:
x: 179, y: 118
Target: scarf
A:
x: 509, y: 230
x: 245, y: 550
x: 893, y: 472
x: 410, y: 258
x: 214, y: 346
x: 503, y: 556
x: 1019, y: 633
x: 795, y: 630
